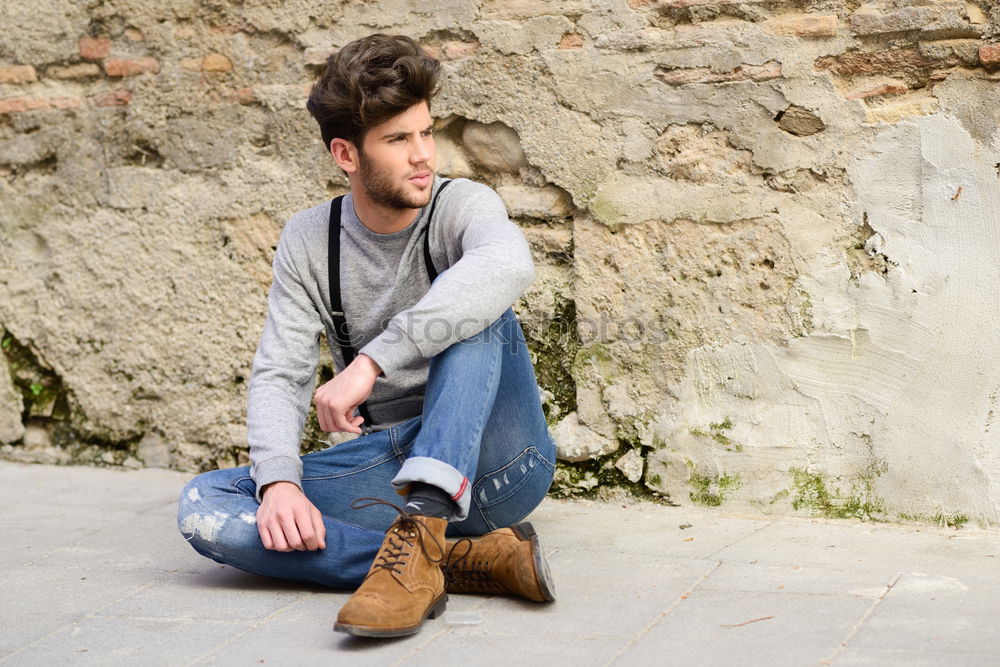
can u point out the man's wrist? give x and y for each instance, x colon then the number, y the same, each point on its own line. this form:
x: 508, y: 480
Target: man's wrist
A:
x: 369, y: 364
x: 268, y: 487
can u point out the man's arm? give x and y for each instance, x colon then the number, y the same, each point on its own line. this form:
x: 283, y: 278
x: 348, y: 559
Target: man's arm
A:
x: 277, y: 405
x: 337, y: 399
x: 491, y: 266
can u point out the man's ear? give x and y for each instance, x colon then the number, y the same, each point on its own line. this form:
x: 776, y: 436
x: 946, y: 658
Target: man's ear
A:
x: 345, y: 154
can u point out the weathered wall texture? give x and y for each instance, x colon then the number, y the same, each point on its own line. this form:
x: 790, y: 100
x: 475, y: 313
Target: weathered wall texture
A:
x: 766, y: 231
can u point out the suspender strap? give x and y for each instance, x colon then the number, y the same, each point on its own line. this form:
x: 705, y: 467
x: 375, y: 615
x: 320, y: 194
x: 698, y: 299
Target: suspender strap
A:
x: 341, y: 334
x: 432, y: 273
x: 340, y: 331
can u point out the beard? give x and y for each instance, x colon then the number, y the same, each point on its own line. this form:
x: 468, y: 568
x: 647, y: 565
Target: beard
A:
x: 384, y: 191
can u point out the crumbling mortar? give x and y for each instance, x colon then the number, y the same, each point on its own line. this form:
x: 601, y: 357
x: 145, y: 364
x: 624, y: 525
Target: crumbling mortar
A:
x: 596, y: 477
x: 50, y: 406
x: 553, y: 352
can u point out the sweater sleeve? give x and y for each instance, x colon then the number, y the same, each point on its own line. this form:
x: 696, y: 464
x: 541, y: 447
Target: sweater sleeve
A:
x: 490, y: 267
x: 284, y: 369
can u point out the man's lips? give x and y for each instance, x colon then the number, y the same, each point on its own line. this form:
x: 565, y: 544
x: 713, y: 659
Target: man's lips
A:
x: 421, y: 179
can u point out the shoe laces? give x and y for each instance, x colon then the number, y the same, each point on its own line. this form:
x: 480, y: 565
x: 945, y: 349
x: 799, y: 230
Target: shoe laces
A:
x: 465, y: 571
x: 405, y: 534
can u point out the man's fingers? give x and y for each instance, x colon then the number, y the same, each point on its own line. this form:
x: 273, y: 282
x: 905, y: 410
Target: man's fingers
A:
x: 323, y: 416
x: 277, y: 538
x: 319, y: 527
x: 265, y: 536
x: 291, y: 531
x: 333, y: 420
x: 343, y: 422
x: 303, y: 521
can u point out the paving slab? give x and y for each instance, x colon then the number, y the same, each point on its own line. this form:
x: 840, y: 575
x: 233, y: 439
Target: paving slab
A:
x: 201, y: 595
x: 645, y: 528
x: 936, y: 613
x: 760, y: 578
x: 874, y: 657
x: 307, y: 638
x: 128, y: 641
x: 22, y: 546
x: 507, y: 650
x: 36, y: 601
x: 95, y: 571
x: 641, y: 587
x: 712, y: 627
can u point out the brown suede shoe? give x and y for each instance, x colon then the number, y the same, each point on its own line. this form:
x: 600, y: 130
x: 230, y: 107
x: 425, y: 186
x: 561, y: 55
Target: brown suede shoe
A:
x: 507, y: 561
x: 404, y: 586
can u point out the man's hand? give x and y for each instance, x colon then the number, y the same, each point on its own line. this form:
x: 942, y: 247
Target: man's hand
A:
x: 287, y: 521
x: 337, y: 400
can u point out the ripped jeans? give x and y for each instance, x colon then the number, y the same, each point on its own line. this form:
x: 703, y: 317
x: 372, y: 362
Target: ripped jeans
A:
x: 482, y: 421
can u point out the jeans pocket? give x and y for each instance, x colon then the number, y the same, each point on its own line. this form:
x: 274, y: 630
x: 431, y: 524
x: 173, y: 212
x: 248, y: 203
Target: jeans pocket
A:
x: 508, y: 494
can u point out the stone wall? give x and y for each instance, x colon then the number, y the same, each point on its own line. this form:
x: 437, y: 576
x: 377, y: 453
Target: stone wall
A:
x: 765, y: 231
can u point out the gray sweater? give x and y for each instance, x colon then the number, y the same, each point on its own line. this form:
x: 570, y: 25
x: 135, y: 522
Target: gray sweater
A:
x: 393, y: 313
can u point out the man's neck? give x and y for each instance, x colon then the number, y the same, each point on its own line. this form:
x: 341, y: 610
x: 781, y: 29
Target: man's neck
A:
x: 380, y: 219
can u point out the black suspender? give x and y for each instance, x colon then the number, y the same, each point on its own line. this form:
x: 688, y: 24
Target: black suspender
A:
x: 341, y: 334
x: 428, y: 262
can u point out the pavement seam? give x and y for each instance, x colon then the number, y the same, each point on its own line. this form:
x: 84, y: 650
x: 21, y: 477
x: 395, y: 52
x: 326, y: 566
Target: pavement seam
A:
x: 740, y: 539
x: 63, y: 547
x: 154, y: 508
x: 864, y: 618
x: 666, y: 612
x: 253, y: 626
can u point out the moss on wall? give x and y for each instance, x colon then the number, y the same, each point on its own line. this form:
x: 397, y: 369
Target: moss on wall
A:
x: 553, y: 351
x: 815, y: 493
x: 711, y: 490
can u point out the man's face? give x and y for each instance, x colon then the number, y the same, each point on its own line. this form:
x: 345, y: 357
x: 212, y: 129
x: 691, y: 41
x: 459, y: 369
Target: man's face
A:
x: 396, y: 160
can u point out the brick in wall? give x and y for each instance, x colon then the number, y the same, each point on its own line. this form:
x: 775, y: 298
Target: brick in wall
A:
x: 18, y: 74
x: 131, y: 66
x: 94, y: 48
x: 77, y: 71
x: 20, y: 104
x: 989, y: 55
x: 852, y: 64
x: 116, y: 98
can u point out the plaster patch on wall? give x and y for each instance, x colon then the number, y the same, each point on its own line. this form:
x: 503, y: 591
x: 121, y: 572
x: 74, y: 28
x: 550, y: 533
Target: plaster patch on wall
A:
x: 897, y: 373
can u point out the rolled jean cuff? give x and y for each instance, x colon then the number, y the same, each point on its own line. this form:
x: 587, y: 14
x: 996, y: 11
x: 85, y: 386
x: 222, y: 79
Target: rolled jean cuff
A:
x: 443, y: 476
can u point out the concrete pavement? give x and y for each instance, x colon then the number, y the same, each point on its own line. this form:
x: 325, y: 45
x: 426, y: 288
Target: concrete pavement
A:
x: 95, y: 572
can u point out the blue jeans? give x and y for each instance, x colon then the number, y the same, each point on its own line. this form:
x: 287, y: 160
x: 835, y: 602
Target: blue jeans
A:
x: 482, y: 421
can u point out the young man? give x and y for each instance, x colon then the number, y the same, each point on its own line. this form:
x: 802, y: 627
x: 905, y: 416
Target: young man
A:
x: 428, y: 351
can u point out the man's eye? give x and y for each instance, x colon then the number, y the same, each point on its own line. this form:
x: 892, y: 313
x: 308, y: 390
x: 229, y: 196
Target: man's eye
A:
x: 428, y: 133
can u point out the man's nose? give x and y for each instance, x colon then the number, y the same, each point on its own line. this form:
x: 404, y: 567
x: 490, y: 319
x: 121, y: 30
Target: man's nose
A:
x: 422, y: 147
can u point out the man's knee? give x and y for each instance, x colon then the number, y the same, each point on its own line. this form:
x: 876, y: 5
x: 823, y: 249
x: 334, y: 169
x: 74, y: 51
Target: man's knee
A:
x: 193, y: 514
x: 205, y: 522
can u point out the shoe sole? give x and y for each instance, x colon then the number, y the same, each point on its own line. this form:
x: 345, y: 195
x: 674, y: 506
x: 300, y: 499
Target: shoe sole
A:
x: 435, y: 610
x: 526, y: 532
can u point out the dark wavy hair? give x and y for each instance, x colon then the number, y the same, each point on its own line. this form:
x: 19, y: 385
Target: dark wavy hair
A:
x: 368, y: 82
